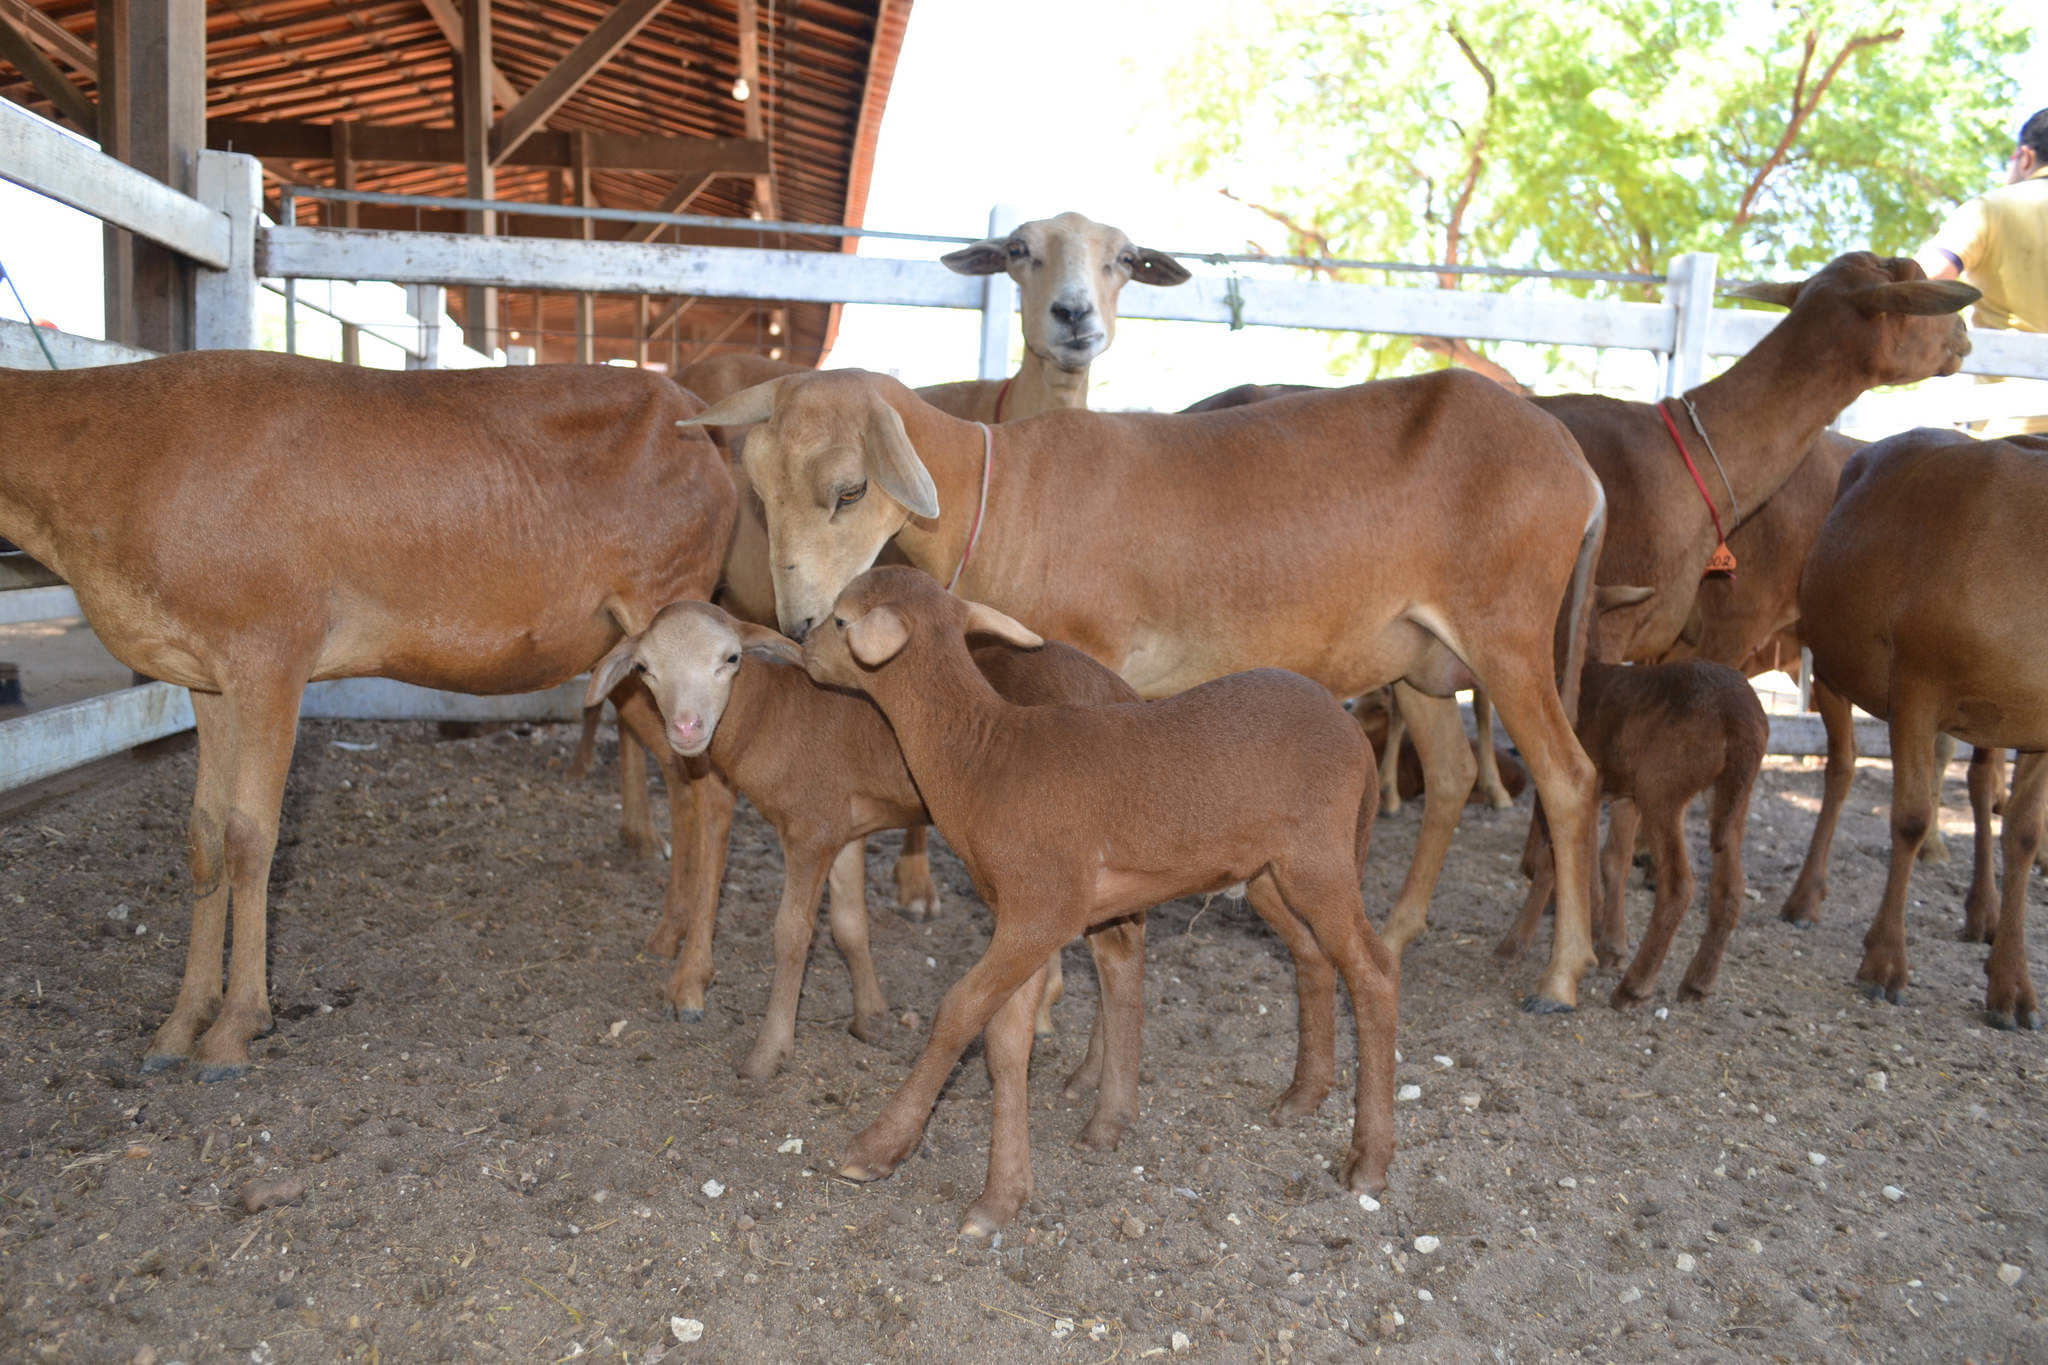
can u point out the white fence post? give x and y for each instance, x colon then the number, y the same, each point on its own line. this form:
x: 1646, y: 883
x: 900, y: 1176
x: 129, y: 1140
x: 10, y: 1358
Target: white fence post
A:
x: 998, y: 303
x: 426, y: 302
x: 1689, y: 292
x: 224, y: 301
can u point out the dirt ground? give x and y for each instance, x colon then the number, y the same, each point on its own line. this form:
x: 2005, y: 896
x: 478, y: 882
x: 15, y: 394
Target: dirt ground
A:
x: 507, y: 1153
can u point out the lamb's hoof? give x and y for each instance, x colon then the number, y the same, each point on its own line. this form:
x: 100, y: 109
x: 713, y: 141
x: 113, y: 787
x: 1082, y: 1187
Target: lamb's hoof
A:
x: 1974, y: 933
x: 1874, y: 991
x: 1804, y: 926
x: 863, y: 1174
x: 1508, y: 950
x: 220, y: 1071
x: 162, y: 1061
x: 869, y: 1027
x: 916, y: 911
x: 976, y: 1231
x: 1934, y: 850
x: 1543, y: 1004
x: 677, y: 1014
x: 1625, y: 999
x: 2026, y: 1020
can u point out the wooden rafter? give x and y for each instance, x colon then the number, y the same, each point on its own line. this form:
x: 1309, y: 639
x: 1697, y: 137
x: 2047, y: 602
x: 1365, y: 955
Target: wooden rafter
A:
x: 570, y: 74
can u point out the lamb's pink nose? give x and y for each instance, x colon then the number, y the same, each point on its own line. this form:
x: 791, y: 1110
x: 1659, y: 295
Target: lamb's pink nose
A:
x: 689, y: 728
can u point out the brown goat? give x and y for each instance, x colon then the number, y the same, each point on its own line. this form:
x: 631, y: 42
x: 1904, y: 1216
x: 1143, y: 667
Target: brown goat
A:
x: 1921, y: 603
x: 242, y: 523
x: 1070, y: 817
x: 1661, y: 734
x: 821, y: 766
x: 1345, y: 550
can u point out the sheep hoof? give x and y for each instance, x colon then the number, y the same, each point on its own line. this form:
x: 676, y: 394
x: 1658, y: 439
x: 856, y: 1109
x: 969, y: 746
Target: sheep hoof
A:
x: 1543, y: 1004
x: 1804, y: 926
x: 221, y: 1071
x: 1508, y: 949
x: 162, y: 1061
x: 917, y: 911
x: 977, y: 1231
x: 2011, y: 1023
x: 679, y: 1015
x: 1874, y: 991
x: 1626, y: 999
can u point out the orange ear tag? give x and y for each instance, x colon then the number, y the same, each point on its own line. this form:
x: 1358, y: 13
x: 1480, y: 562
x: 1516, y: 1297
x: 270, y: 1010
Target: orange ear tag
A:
x: 1721, y: 562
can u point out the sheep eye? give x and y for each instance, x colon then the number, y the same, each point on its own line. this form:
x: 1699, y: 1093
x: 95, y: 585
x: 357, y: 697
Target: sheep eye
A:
x: 1018, y: 251
x: 849, y: 496
x: 839, y: 622
x: 732, y: 658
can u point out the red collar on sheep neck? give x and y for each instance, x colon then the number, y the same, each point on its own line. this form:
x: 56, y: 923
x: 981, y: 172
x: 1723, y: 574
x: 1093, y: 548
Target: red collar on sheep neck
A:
x: 1722, y: 561
x: 988, y: 452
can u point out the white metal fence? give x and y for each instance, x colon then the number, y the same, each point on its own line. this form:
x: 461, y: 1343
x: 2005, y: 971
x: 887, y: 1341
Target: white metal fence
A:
x: 221, y: 230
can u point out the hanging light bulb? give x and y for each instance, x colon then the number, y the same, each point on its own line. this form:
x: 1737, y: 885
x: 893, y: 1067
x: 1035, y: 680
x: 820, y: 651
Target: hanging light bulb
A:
x: 775, y: 354
x: 775, y: 329
x: 740, y: 90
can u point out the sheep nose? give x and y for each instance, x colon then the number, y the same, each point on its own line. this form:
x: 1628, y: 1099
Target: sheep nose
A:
x: 1072, y: 311
x: 799, y: 630
x: 689, y: 726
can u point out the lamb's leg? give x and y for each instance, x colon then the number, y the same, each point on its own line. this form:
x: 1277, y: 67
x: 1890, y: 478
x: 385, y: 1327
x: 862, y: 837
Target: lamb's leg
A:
x: 1390, y: 757
x: 804, y: 869
x: 849, y: 918
x: 1447, y: 773
x: 1315, y: 990
x: 1726, y: 819
x: 1490, y: 785
x: 1116, y: 1041
x: 586, y: 743
x: 1523, y: 932
x: 1665, y: 823
x: 1980, y: 906
x: 1055, y: 990
x: 199, y: 995
x: 265, y: 722
x: 1007, y: 1043
x: 1803, y: 905
x: 636, y: 812
x: 916, y: 892
x: 700, y: 807
x: 1015, y: 953
x: 1610, y: 934
x: 1935, y: 849
x: 1884, y: 968
x: 2010, y: 994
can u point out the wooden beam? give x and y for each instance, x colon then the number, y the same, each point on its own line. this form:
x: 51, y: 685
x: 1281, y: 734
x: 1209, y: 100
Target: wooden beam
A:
x: 473, y: 122
x: 414, y: 145
x: 640, y: 330
x: 345, y: 179
x: 449, y: 17
x: 671, y: 317
x: 750, y: 108
x: 586, y: 302
x: 703, y: 347
x: 43, y: 74
x: 166, y: 102
x: 676, y: 200
x: 74, y: 51
x: 568, y: 76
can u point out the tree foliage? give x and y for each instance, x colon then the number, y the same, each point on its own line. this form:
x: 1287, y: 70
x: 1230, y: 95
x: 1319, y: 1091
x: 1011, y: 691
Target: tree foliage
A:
x: 1603, y: 135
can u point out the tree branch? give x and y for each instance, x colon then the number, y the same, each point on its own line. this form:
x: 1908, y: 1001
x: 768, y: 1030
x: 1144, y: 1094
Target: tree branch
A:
x: 1301, y: 232
x: 1460, y: 353
x: 1803, y: 107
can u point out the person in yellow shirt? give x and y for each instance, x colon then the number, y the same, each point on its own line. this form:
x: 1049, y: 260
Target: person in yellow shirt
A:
x: 1999, y: 243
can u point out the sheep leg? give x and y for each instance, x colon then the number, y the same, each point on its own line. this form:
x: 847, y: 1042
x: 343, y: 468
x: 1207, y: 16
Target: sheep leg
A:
x: 1490, y: 785
x: 586, y: 744
x: 636, y: 812
x: 1803, y: 905
x: 1726, y: 818
x: 199, y: 995
x: 849, y: 919
x: 1884, y: 969
x: 1665, y: 822
x: 1323, y: 899
x: 1015, y: 953
x: 1448, y: 769
x: 1610, y: 937
x: 1534, y: 715
x: 1055, y: 990
x: 1390, y: 758
x: 1981, y: 904
x: 1116, y: 1040
x: 1935, y: 849
x: 2010, y: 995
x: 264, y: 726
x: 1315, y: 990
x: 916, y: 892
x: 804, y: 872
x: 1523, y: 932
x: 1006, y: 1042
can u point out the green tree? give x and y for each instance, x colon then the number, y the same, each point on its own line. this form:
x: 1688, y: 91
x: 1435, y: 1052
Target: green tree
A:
x: 1600, y: 135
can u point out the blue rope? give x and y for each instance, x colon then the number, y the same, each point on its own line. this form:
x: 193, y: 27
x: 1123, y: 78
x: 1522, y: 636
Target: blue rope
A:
x: 28, y: 316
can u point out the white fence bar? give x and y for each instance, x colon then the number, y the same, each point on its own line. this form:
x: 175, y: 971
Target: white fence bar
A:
x: 37, y: 604
x: 42, y: 157
x: 46, y: 743
x: 224, y: 299
x: 18, y: 349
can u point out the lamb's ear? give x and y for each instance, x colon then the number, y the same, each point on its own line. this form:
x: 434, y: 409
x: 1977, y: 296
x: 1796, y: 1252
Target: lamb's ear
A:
x: 611, y: 670
x: 986, y: 620
x: 893, y: 462
x: 739, y: 409
x: 878, y: 637
x: 768, y: 644
x: 991, y: 256
x: 1764, y: 291
x: 1156, y: 267
x: 1924, y: 298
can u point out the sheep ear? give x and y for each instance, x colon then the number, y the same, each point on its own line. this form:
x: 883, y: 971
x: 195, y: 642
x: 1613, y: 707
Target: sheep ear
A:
x: 894, y: 463
x: 611, y: 670
x: 878, y: 636
x: 1156, y: 267
x: 740, y: 409
x: 986, y: 620
x: 1925, y: 298
x: 1765, y: 291
x: 768, y: 644
x: 988, y: 257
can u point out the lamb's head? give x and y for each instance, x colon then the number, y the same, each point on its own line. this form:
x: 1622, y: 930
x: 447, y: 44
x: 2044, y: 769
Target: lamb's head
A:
x: 1069, y: 271
x: 688, y: 656
x: 879, y: 613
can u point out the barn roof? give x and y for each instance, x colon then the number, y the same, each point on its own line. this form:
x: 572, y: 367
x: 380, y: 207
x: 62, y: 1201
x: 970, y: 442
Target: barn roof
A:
x: 661, y: 112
